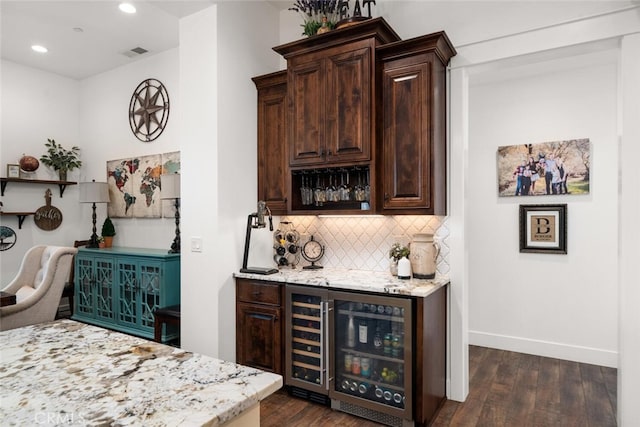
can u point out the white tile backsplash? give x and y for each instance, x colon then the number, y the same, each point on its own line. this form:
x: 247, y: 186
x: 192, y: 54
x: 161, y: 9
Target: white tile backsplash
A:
x: 363, y: 242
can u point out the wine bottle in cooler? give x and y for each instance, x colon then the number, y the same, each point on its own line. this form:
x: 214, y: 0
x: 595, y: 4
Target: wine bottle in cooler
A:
x: 351, y: 333
x: 363, y: 335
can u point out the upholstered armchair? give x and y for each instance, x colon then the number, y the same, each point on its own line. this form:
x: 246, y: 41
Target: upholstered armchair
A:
x: 38, y: 286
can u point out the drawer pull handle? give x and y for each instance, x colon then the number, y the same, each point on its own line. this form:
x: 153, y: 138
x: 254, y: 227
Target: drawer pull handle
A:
x: 257, y: 293
x: 264, y: 317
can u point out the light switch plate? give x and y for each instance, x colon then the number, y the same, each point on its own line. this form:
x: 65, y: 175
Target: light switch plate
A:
x: 196, y: 244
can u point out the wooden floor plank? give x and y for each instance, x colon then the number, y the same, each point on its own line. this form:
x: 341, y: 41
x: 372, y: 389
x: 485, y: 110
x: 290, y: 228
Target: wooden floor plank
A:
x: 547, y: 406
x: 599, y: 410
x: 523, y: 398
x: 507, y: 389
x: 572, y: 401
x: 479, y: 388
x: 447, y: 411
x: 611, y: 382
x: 494, y: 411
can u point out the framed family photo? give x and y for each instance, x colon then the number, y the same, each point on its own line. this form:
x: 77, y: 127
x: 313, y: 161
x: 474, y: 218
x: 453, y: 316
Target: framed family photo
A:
x: 544, y: 169
x: 543, y: 228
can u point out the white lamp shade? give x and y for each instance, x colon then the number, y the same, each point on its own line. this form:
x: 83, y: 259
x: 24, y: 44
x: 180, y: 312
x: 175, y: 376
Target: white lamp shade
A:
x: 170, y: 186
x: 94, y: 192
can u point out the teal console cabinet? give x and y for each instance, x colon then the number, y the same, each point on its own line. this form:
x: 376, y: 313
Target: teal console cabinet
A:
x: 119, y: 288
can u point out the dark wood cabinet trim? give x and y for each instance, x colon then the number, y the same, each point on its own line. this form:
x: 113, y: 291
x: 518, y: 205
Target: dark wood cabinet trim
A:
x: 272, y: 147
x: 376, y: 28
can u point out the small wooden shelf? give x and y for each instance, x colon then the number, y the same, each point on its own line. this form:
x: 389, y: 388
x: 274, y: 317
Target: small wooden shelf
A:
x: 21, y: 216
x: 61, y: 184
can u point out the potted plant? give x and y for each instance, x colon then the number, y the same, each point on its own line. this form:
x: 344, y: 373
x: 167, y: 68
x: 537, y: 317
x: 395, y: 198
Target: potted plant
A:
x: 61, y: 159
x: 101, y: 243
x: 396, y: 253
x: 313, y: 14
x: 108, y: 231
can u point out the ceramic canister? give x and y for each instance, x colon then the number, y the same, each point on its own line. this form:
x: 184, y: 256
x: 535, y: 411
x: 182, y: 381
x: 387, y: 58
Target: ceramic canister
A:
x: 423, y: 256
x: 404, y: 269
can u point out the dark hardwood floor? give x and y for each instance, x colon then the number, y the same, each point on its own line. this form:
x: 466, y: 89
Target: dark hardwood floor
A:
x: 506, y: 389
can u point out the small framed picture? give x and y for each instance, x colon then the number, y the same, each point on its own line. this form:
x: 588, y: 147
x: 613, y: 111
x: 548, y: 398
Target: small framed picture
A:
x: 13, y: 171
x: 543, y: 228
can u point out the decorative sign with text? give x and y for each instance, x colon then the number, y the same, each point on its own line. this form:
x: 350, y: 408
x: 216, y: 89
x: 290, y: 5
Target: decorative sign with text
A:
x: 543, y: 228
x: 48, y: 217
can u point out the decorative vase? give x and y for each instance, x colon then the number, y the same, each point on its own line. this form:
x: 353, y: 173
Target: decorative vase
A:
x: 108, y: 241
x: 423, y: 256
x: 62, y: 173
x: 393, y: 267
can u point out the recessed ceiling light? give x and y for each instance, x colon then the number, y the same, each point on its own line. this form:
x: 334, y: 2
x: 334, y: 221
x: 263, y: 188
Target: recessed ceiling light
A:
x: 39, y: 49
x: 127, y: 8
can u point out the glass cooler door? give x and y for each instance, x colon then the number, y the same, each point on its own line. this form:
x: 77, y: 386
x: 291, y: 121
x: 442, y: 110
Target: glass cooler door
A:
x: 306, y: 365
x: 371, y: 352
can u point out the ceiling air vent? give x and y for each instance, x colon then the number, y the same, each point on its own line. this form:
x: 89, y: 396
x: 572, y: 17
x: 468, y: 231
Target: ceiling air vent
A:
x: 135, y: 52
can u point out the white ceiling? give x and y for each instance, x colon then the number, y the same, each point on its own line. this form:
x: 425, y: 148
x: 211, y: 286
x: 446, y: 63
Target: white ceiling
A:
x: 106, y: 34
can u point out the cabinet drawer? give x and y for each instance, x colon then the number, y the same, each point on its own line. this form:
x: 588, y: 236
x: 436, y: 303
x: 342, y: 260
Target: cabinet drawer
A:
x: 258, y: 292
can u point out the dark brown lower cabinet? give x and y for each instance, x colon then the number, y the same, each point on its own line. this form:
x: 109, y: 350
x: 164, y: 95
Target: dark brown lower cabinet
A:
x: 259, y: 325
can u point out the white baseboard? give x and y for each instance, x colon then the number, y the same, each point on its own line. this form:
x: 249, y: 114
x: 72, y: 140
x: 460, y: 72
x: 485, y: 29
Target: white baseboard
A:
x: 556, y: 350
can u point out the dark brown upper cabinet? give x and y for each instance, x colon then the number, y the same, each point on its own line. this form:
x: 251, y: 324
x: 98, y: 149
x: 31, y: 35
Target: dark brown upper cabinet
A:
x: 331, y: 109
x: 359, y: 102
x: 412, y: 168
x: 272, y: 147
x: 331, y: 88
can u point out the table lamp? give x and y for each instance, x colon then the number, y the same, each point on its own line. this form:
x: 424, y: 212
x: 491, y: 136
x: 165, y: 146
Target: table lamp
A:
x: 94, y: 192
x: 171, y: 191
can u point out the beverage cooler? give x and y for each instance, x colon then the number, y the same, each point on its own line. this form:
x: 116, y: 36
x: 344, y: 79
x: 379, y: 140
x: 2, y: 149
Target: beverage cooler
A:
x: 354, y: 350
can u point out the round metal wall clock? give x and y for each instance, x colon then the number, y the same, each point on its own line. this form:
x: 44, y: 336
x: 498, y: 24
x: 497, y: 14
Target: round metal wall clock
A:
x: 149, y: 110
x: 7, y: 238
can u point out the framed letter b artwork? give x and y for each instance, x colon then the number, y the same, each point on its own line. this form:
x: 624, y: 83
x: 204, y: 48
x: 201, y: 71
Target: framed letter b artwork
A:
x: 543, y: 228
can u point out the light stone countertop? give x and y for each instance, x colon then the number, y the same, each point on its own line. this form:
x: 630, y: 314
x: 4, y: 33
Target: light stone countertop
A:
x: 360, y: 280
x: 70, y: 373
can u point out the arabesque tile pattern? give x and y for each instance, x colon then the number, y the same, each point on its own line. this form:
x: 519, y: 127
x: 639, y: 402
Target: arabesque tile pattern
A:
x: 363, y: 242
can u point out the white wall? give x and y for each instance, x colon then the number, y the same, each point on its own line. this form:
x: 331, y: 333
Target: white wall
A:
x: 562, y: 306
x: 629, y: 369
x: 219, y: 160
x: 106, y: 135
x: 37, y: 105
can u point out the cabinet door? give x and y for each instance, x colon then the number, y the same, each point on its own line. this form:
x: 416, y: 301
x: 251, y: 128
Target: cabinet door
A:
x: 349, y: 108
x: 128, y: 295
x: 259, y: 337
x: 84, y: 286
x: 306, y: 112
x: 150, y: 276
x: 138, y: 292
x: 272, y: 141
x: 103, y: 276
x: 406, y: 169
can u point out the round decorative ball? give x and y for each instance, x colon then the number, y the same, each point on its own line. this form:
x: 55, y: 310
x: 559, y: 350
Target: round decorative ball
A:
x: 29, y: 163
